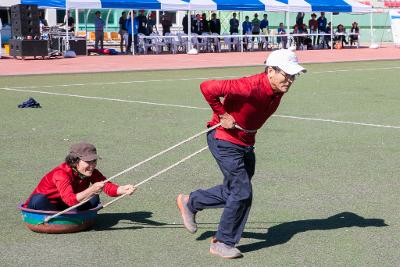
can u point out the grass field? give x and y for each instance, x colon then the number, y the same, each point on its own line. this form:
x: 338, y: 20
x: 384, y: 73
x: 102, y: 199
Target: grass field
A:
x: 325, y: 188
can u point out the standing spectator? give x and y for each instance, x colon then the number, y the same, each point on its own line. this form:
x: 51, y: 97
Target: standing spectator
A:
x: 354, y: 32
x: 215, y: 24
x: 134, y: 32
x: 166, y: 23
x: 123, y: 31
x: 185, y: 24
x: 247, y: 28
x: 322, y: 25
x: 313, y: 26
x: 99, y: 30
x: 264, y: 25
x: 255, y: 23
x: 205, y: 27
x: 299, y: 19
x: 142, y: 22
x: 233, y: 24
x: 281, y: 31
x: 151, y: 22
x: 327, y: 38
x: 247, y: 105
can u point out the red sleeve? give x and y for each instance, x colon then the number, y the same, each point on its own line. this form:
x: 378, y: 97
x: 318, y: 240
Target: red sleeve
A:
x: 213, y: 90
x: 109, y: 188
x: 64, y: 187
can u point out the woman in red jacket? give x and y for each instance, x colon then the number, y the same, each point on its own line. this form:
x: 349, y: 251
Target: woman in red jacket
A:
x: 73, y: 181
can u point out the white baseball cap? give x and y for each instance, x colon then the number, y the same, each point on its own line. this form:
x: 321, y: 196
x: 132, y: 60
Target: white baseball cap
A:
x: 286, y: 60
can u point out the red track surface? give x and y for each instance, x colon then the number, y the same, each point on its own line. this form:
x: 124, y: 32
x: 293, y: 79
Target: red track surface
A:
x: 10, y: 66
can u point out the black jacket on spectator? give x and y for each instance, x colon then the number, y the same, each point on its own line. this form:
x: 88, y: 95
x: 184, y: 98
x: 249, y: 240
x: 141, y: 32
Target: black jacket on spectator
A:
x: 185, y: 24
x: 215, y: 26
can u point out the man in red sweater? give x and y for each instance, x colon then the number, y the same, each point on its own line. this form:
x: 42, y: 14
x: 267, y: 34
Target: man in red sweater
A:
x: 248, y: 103
x: 69, y: 183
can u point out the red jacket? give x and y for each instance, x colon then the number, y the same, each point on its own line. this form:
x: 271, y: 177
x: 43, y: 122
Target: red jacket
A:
x: 250, y: 100
x: 62, y: 184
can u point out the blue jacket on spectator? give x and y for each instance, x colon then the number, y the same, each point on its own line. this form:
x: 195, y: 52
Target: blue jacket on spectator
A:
x: 135, y: 25
x: 247, y: 27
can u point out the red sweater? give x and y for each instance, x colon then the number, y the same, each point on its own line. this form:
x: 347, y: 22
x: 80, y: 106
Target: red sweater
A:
x: 62, y: 184
x: 250, y: 100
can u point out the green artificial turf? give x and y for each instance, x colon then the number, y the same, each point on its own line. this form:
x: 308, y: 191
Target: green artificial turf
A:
x: 324, y: 191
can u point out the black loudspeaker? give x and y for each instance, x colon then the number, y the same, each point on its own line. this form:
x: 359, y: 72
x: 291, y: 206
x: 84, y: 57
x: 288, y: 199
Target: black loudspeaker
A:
x: 25, y: 21
x: 28, y: 48
x: 78, y: 46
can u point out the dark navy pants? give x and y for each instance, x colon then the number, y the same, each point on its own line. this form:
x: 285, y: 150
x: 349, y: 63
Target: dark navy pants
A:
x: 41, y: 202
x: 237, y: 164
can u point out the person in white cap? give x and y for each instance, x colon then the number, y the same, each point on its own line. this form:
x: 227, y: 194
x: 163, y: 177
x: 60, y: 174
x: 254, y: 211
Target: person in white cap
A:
x: 248, y: 103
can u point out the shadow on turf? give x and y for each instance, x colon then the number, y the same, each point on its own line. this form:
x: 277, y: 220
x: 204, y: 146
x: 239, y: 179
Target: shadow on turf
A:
x: 135, y: 220
x: 282, y: 233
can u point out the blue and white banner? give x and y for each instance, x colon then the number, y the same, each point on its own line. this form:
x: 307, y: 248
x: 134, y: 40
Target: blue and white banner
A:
x: 395, y: 19
x: 328, y: 6
x: 236, y: 5
x: 227, y: 5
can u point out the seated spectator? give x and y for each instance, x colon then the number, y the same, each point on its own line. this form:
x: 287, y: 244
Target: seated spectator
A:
x: 340, y: 36
x: 281, y: 31
x: 354, y: 32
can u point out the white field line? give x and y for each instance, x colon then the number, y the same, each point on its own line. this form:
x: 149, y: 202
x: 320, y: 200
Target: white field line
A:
x: 102, y: 98
x: 198, y: 108
x: 184, y: 79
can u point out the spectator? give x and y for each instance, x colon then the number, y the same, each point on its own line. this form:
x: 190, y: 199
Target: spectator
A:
x: 142, y: 23
x: 123, y: 31
x: 69, y: 21
x: 205, y: 27
x: 327, y: 37
x: 233, y: 24
x: 313, y: 26
x: 215, y: 24
x: 197, y: 24
x: 247, y: 28
x: 151, y: 22
x: 166, y: 23
x: 299, y: 19
x: 133, y: 32
x: 340, y: 36
x: 354, y: 32
x: 321, y: 25
x: 281, y: 40
x: 99, y: 30
x: 185, y: 24
x: 264, y: 24
x: 255, y: 23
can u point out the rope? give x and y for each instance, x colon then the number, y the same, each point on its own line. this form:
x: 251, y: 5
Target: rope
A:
x: 157, y: 174
x: 47, y: 219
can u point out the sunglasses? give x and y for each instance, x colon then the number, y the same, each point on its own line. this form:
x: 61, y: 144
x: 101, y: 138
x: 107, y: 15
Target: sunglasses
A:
x: 285, y: 75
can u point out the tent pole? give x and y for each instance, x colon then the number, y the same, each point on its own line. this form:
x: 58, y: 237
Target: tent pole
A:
x: 132, y: 35
x: 287, y: 13
x: 66, y: 26
x: 189, y: 31
x: 76, y: 21
x: 371, y: 28
x: 331, y: 30
x: 241, y: 30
